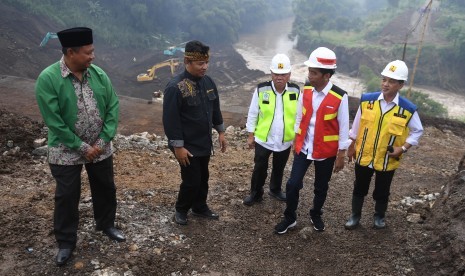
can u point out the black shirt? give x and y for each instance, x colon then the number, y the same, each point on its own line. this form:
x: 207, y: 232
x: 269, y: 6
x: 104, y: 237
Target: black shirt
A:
x: 191, y: 107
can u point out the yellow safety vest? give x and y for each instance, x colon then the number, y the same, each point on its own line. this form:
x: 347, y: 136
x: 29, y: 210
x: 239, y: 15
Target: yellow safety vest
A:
x: 267, y: 105
x: 377, y: 131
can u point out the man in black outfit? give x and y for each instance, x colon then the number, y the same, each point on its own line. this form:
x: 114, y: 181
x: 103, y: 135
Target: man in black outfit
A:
x: 191, y: 108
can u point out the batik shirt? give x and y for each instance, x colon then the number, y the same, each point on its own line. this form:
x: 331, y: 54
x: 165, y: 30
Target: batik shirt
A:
x: 77, y: 115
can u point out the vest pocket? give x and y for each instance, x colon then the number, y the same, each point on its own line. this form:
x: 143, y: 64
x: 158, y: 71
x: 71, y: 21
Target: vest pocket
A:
x: 397, y: 126
x: 368, y: 115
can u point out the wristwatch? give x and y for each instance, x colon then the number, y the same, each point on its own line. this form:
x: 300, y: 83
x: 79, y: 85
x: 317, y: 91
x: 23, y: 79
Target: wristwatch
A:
x: 404, y: 149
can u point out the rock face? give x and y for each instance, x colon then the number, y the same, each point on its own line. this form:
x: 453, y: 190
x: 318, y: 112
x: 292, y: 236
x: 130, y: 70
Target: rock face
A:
x: 447, y: 224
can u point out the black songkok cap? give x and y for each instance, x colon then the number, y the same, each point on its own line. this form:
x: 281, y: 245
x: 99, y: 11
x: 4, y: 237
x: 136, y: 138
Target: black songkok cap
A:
x: 75, y: 37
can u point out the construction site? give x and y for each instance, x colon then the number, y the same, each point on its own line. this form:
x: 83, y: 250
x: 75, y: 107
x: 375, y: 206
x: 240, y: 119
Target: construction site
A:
x: 425, y: 233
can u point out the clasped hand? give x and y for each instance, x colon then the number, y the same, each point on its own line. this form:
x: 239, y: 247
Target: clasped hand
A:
x: 92, y: 153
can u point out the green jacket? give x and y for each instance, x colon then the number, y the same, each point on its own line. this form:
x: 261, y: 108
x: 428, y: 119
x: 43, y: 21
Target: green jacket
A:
x: 58, y: 105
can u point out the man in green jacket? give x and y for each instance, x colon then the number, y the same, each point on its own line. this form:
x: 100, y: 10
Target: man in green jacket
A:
x: 80, y: 108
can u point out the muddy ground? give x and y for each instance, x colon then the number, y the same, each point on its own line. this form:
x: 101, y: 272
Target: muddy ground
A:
x: 418, y: 241
x: 425, y: 234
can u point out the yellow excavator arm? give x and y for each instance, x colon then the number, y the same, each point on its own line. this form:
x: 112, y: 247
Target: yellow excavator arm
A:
x: 150, y: 75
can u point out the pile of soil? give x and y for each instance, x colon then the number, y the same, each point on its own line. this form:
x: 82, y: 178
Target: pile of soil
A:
x: 445, y: 250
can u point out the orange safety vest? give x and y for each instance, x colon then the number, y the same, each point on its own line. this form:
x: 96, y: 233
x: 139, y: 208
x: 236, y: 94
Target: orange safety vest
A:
x: 326, y: 137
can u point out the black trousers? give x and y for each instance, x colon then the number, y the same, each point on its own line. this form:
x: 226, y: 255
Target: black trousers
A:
x: 323, y: 173
x: 68, y: 193
x: 260, y: 170
x: 383, y: 181
x: 193, y: 191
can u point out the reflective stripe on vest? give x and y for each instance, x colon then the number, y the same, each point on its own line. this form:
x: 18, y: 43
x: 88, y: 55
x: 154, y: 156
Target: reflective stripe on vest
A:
x: 326, y: 136
x: 267, y: 105
x: 377, y: 131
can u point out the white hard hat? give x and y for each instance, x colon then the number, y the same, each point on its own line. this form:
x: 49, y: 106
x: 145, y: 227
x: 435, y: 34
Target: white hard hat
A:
x: 396, y: 69
x: 280, y: 64
x: 322, y: 57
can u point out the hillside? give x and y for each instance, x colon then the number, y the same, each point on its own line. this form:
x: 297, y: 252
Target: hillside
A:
x: 376, y: 37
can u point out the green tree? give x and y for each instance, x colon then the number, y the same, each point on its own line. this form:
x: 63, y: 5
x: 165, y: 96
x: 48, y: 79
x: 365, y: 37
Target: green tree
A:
x: 371, y: 80
x: 394, y: 3
x: 426, y: 105
x: 252, y: 12
x: 139, y: 14
x: 370, y: 5
x: 319, y: 15
x: 318, y: 22
x: 454, y: 34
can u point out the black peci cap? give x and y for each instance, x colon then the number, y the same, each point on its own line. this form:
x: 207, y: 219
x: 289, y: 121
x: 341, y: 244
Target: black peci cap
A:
x: 75, y: 37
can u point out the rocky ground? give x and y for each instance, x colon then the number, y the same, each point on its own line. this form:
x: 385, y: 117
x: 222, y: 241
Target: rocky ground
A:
x: 419, y: 239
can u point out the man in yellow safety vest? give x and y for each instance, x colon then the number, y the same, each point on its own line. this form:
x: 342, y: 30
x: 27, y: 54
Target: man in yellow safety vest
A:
x: 385, y: 127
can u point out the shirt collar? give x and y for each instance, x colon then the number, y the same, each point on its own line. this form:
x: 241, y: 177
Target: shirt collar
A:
x: 326, y: 89
x: 190, y: 76
x: 396, y: 98
x: 65, y: 71
x: 274, y: 88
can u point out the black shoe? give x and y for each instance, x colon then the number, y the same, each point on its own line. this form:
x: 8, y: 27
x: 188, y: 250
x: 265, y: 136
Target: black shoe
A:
x: 278, y: 195
x: 114, y: 234
x: 282, y: 227
x: 206, y: 214
x: 180, y: 218
x: 318, y: 223
x: 63, y: 256
x: 251, y: 199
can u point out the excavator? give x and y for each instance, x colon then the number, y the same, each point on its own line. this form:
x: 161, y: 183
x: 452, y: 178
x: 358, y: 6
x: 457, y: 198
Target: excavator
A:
x: 47, y: 37
x: 150, y: 75
x: 171, y: 51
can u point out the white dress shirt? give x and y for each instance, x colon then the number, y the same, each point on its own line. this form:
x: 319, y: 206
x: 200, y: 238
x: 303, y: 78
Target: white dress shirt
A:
x: 276, y: 135
x: 415, y: 126
x: 342, y: 118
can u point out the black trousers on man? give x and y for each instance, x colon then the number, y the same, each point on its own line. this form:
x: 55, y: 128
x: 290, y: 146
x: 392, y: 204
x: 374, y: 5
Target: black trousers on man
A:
x: 362, y: 181
x: 193, y: 191
x: 260, y: 170
x: 68, y: 193
x: 323, y: 173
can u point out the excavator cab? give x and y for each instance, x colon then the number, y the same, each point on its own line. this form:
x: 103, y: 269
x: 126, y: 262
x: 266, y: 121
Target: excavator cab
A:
x: 172, y: 50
